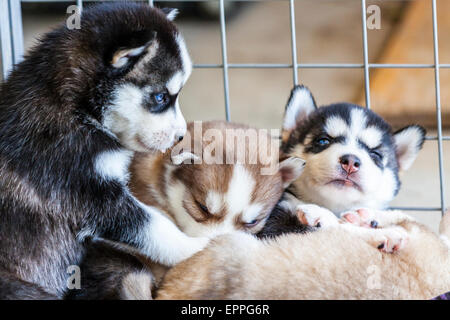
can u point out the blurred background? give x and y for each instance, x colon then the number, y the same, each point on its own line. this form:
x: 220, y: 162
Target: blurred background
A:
x: 327, y: 31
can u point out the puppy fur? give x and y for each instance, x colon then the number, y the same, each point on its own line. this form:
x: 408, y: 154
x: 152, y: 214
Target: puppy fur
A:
x: 70, y: 116
x: 353, y: 160
x: 207, y: 199
x: 200, y: 197
x: 353, y: 157
x: 238, y: 266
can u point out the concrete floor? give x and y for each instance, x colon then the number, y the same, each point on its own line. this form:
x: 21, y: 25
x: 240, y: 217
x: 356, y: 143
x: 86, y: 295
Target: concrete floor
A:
x: 326, y: 32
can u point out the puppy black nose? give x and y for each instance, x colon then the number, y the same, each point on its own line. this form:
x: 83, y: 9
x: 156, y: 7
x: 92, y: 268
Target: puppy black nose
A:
x: 350, y: 163
x: 180, y: 138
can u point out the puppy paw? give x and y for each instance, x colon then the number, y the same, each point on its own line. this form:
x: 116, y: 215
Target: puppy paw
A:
x: 363, y: 217
x: 315, y: 216
x: 391, y: 240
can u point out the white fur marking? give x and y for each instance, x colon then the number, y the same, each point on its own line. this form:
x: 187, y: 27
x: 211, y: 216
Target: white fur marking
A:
x: 175, y: 83
x: 252, y: 212
x: 336, y: 126
x: 358, y: 121
x: 240, y: 190
x: 214, y: 202
x: 186, y: 60
x: 164, y: 242
x: 113, y: 164
x: 371, y: 136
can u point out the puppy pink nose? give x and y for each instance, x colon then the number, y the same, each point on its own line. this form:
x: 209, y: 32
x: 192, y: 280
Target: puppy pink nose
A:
x: 350, y: 163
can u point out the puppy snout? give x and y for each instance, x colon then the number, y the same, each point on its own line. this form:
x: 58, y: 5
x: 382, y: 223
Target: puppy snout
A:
x: 350, y: 163
x: 180, y: 137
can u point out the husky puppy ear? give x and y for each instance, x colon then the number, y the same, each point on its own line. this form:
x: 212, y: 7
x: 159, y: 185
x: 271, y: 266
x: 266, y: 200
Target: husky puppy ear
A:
x: 122, y: 57
x: 408, y: 142
x: 290, y: 170
x: 300, y: 104
x: 171, y: 13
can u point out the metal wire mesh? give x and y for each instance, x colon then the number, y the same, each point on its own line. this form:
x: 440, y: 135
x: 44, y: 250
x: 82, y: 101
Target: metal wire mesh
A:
x: 12, y: 49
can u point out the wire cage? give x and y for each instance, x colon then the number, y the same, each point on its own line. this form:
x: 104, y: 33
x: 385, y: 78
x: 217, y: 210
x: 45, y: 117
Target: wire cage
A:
x: 12, y: 50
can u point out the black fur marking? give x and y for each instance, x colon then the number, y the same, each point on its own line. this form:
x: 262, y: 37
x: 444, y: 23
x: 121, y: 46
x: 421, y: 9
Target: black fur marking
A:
x: 282, y: 222
x: 103, y: 270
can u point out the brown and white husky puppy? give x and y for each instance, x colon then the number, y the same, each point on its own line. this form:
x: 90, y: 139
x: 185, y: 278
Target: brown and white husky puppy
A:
x: 206, y: 186
x: 207, y: 198
x: 340, y: 262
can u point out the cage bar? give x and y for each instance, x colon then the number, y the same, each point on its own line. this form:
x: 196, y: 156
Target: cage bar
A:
x: 293, y: 42
x: 5, y: 38
x: 365, y: 53
x: 223, y: 36
x: 15, y: 9
x: 438, y: 104
x: 11, y: 43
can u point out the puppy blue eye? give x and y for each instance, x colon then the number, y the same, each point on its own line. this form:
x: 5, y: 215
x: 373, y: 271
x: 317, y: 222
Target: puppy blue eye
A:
x: 160, y: 97
x: 323, y: 142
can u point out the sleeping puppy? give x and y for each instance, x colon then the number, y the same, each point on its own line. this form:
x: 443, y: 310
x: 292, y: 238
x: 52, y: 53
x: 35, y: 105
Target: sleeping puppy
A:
x: 238, y: 266
x: 207, y: 192
x: 206, y: 187
x: 353, y: 160
x: 71, y: 114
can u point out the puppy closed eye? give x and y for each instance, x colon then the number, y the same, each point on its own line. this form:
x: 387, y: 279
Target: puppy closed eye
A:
x: 252, y: 223
x: 203, y: 208
x: 376, y: 155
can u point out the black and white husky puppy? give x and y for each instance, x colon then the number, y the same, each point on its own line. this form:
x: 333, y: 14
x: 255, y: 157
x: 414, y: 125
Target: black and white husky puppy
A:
x: 353, y: 158
x: 70, y: 116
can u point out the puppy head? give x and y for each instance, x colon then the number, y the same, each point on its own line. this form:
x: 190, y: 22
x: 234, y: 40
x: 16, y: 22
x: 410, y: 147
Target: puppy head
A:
x: 144, y: 65
x: 208, y: 199
x: 352, y: 156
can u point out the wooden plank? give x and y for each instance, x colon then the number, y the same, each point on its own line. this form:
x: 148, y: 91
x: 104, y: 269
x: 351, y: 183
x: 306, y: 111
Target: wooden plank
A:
x: 408, y: 95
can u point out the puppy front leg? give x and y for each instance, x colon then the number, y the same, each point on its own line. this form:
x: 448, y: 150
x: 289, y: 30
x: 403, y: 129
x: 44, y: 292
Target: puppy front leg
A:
x: 124, y: 219
x: 164, y: 242
x: 121, y: 217
x: 310, y: 214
